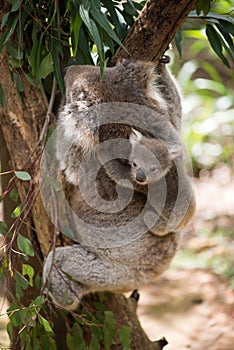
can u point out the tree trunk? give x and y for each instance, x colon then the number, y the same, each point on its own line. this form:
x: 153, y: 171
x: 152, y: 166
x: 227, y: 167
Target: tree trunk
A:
x: 22, y: 122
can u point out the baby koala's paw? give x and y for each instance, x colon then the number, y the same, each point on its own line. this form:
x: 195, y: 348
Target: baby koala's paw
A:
x: 155, y: 224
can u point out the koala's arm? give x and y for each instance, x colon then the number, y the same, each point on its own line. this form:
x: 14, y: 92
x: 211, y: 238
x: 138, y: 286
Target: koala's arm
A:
x: 176, y: 223
x: 179, y: 207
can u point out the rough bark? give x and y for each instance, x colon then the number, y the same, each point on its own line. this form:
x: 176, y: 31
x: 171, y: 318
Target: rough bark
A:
x: 22, y: 123
x: 155, y: 28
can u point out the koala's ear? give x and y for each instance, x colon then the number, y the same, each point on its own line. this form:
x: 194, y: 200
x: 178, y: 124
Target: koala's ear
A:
x: 175, y: 150
x: 135, y: 136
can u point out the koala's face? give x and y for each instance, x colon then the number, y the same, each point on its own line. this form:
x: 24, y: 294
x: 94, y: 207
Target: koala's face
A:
x: 146, y: 167
x: 150, y: 159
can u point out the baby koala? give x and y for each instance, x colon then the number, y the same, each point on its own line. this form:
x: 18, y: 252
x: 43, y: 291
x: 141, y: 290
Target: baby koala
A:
x: 150, y: 158
x: 153, y: 165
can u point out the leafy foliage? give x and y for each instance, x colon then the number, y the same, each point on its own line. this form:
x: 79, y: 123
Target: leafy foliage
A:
x: 87, y: 32
x: 219, y: 31
x: 39, y: 34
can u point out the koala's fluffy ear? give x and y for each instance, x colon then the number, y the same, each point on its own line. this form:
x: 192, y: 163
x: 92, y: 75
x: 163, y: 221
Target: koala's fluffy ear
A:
x: 135, y: 136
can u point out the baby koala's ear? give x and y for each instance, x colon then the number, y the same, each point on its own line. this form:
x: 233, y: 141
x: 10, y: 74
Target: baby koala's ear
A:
x: 135, y: 136
x: 175, y: 150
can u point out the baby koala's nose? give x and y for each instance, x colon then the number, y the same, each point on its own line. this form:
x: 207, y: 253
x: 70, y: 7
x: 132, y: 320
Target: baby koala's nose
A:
x: 140, y: 175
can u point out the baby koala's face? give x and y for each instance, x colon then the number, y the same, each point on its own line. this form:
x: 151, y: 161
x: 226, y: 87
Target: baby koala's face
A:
x: 150, y: 159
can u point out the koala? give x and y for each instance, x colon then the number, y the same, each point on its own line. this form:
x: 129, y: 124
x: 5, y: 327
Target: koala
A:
x: 126, y: 217
x: 150, y: 158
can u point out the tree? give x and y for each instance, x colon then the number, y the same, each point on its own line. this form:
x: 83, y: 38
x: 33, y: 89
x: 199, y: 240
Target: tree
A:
x: 37, y: 40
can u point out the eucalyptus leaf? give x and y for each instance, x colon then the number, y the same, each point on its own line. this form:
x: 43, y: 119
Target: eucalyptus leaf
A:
x: 16, y: 5
x: 75, y: 30
x: 17, y: 211
x: 46, y: 66
x: 24, y: 245
x: 14, y: 195
x: 103, y: 22
x: 23, y: 175
x: 29, y: 271
x: 178, y: 40
x: 4, y: 19
x: 21, y: 284
x: 45, y: 323
x: 124, y: 336
x: 3, y: 228
x: 203, y: 5
x: 216, y: 43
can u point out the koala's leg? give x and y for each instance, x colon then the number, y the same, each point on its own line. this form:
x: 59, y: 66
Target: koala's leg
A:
x: 77, y: 271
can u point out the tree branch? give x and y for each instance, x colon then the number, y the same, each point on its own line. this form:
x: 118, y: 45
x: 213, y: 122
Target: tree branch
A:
x: 154, y: 29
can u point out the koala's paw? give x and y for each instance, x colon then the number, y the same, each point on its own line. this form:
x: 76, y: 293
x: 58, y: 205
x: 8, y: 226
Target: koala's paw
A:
x: 154, y: 224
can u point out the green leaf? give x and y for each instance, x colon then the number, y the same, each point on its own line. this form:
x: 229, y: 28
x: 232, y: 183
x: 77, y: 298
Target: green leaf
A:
x: 28, y: 270
x: 228, y: 26
x: 18, y: 82
x: 20, y: 284
x: 52, y: 182
x: 3, y: 228
x: 4, y: 19
x: 11, y: 24
x: 34, y: 57
x: 75, y: 337
x: 224, y: 31
x: 109, y: 329
x: 203, y: 5
x: 124, y: 336
x: 84, y: 46
x: 14, y: 195
x: 130, y: 9
x: 45, y: 323
x: 98, y: 41
x: 46, y: 66
x: 84, y: 14
x: 112, y: 11
x: 216, y: 43
x: 16, y: 5
x: 38, y: 301
x: 103, y: 22
x: 23, y: 175
x: 29, y: 79
x: 229, y: 49
x: 178, y: 40
x: 24, y: 245
x: 17, y: 211
x: 97, y: 336
x: 55, y: 49
x: 75, y: 30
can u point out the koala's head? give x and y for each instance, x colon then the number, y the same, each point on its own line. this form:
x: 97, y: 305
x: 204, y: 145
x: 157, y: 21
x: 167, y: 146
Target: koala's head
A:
x: 150, y: 158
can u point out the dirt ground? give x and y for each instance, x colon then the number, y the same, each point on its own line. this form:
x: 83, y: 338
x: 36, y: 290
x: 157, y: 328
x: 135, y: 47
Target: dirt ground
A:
x: 192, y: 308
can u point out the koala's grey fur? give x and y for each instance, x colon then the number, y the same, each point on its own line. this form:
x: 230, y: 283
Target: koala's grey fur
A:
x: 131, y: 259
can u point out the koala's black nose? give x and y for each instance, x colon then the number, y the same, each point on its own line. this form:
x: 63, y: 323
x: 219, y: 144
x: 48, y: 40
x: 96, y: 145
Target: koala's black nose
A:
x: 140, y: 175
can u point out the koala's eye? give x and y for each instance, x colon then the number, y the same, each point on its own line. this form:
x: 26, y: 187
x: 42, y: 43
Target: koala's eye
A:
x: 153, y: 168
x: 134, y: 164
